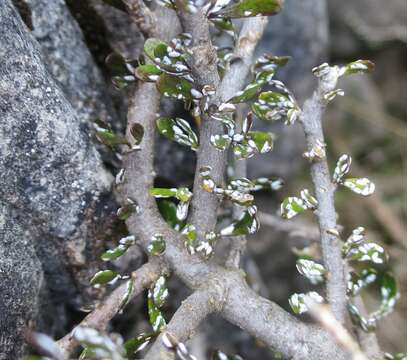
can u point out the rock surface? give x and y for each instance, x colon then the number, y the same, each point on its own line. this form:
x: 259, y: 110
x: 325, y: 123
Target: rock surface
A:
x: 53, y: 190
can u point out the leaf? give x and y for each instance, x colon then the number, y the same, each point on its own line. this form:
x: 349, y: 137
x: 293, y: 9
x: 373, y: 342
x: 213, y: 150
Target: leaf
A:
x: 106, y: 136
x: 243, y: 151
x: 118, y: 251
x: 357, y: 67
x: 129, y: 208
x: 163, y: 192
x: 189, y: 231
x: 291, y: 207
x: 249, y: 92
x: 182, y: 210
x: 122, y: 82
x: 361, y: 186
x: 398, y: 356
x: 353, y: 240
x: 309, y: 201
x: 205, y: 246
x: 342, y: 168
x: 148, y: 72
x: 388, y: 292
x: 245, y: 225
x: 224, y: 25
x: 273, y: 106
x: 207, y: 182
x: 247, y: 8
x: 183, y: 194
x: 128, y: 293
x: 317, y: 151
x: 239, y: 197
x: 99, y: 345
x: 168, y: 211
x: 152, y: 48
x: 221, y: 142
x: 261, y: 141
x: 368, y: 252
x: 137, y: 132
x: 242, y: 184
x: 103, y: 277
x: 134, y: 345
x: 178, y: 130
x: 330, y: 95
x: 155, y: 300
x: 269, y: 63
x: 157, y: 245
x: 311, y: 270
x: 297, y: 301
x: 175, y: 87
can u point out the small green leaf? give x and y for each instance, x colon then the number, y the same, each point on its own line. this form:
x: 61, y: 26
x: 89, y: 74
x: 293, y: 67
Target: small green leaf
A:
x: 118, y: 251
x: 248, y: 8
x: 311, y: 270
x: 242, y: 184
x: 178, y: 130
x: 357, y: 67
x: 221, y: 142
x: 157, y: 245
x: 361, y: 186
x: 129, y: 208
x: 174, y: 87
x: 297, y: 301
x: 148, y: 72
x: 398, y: 356
x: 106, y: 136
x: 388, y: 293
x: 330, y: 95
x: 103, y: 277
x: 224, y: 25
x: 261, y: 141
x: 249, y: 92
x: 155, y: 300
x: 291, y: 207
x: 128, y: 294
x: 269, y: 63
x: 97, y: 343
x: 368, y: 252
x: 246, y: 224
x: 168, y: 211
x: 152, y: 47
x: 355, y: 239
x: 183, y: 194
x: 342, y: 168
x: 163, y: 192
x: 273, y: 106
x: 134, y: 345
x: 239, y: 197
x: 189, y: 231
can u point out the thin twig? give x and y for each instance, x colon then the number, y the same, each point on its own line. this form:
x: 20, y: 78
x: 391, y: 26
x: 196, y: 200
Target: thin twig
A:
x: 109, y: 307
x: 311, y: 120
x: 187, y: 318
x: 325, y: 317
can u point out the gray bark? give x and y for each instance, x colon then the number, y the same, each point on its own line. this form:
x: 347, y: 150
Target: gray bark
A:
x: 53, y: 188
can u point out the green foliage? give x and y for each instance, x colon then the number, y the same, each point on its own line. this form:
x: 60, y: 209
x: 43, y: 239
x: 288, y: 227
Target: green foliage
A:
x: 118, y: 251
x: 248, y: 8
x: 103, y: 277
x: 157, y: 295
